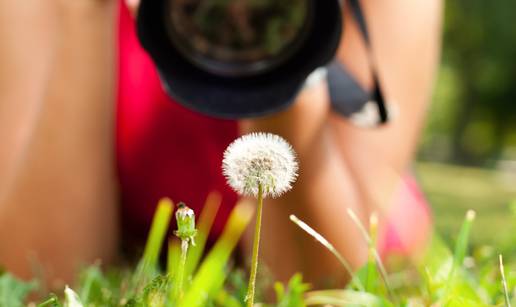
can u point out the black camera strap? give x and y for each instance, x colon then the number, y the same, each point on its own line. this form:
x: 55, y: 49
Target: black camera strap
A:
x: 348, y: 97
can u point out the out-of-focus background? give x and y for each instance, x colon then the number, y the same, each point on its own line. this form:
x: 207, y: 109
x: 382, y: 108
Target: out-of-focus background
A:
x: 467, y: 156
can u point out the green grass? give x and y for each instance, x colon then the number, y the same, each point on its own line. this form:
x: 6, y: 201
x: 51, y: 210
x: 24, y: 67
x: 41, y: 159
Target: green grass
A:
x: 445, y: 277
x: 452, y: 190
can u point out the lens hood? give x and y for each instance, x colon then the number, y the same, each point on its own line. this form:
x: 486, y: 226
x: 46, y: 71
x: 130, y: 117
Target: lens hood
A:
x: 235, y: 97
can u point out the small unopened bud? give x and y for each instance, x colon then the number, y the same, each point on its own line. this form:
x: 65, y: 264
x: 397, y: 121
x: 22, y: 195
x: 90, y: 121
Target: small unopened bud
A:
x: 185, y: 218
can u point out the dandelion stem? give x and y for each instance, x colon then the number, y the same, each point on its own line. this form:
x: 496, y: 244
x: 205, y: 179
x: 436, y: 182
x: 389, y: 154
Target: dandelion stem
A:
x: 181, y: 270
x: 186, y: 232
x: 256, y: 246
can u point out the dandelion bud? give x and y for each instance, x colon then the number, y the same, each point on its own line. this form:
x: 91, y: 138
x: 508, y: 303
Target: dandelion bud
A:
x: 185, y: 218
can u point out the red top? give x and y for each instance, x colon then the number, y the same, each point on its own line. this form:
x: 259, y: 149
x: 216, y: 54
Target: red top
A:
x: 162, y: 149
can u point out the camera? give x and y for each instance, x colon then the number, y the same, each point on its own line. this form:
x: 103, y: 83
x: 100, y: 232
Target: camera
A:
x: 238, y: 58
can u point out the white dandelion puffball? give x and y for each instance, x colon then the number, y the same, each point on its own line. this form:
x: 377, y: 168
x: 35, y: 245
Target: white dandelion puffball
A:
x: 260, y: 159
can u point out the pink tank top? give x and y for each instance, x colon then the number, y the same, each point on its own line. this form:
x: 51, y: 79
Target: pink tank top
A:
x: 162, y: 149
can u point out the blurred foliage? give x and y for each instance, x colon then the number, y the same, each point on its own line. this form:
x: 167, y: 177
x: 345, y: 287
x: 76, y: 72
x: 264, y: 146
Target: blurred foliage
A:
x: 443, y: 277
x: 452, y: 190
x: 473, y: 116
x: 13, y: 291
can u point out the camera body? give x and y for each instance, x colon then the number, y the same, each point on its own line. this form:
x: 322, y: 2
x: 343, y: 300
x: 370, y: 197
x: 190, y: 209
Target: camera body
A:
x: 246, y: 58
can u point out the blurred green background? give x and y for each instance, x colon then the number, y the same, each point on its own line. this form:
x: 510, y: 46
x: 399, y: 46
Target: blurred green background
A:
x: 467, y: 156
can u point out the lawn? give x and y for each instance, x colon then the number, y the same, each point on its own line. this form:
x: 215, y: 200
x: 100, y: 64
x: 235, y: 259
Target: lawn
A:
x: 447, y: 276
x: 452, y: 190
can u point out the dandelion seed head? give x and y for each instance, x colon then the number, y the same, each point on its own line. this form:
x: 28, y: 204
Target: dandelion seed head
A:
x: 260, y: 159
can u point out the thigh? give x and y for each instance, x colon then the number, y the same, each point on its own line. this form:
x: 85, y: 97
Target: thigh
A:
x: 405, y: 36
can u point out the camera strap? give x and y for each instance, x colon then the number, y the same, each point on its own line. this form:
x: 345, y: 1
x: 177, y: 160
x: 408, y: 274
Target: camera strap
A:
x: 348, y: 97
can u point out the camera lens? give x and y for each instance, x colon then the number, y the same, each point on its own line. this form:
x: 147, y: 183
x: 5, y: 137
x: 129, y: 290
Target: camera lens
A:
x: 237, y: 37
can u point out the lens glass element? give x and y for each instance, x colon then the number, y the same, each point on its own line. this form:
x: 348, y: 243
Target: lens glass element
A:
x: 237, y: 37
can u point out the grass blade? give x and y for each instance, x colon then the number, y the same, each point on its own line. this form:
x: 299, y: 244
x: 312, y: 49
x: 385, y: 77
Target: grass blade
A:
x: 372, y: 249
x: 158, y: 232
x: 173, y: 255
x: 371, y: 266
x: 462, y: 245
x: 344, y: 298
x: 354, y: 281
x: 504, y: 283
x: 148, y: 265
x: 206, y: 219
x: 52, y: 301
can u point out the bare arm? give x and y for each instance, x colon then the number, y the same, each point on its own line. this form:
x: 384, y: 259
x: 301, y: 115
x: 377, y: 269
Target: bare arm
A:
x: 343, y: 166
x: 57, y: 188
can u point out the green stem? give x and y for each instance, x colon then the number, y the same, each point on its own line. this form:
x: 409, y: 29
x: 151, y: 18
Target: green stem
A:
x: 52, y: 301
x: 178, y: 293
x: 256, y: 246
